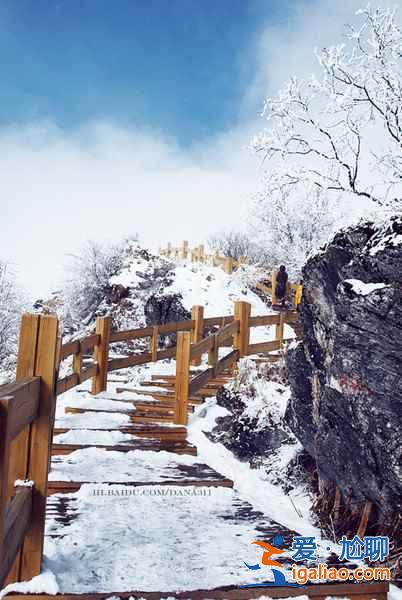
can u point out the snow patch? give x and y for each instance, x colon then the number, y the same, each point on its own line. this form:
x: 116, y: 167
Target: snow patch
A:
x: 363, y: 289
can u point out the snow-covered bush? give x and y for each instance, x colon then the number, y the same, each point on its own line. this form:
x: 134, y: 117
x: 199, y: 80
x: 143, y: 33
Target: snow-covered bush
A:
x: 88, y: 279
x: 11, y: 308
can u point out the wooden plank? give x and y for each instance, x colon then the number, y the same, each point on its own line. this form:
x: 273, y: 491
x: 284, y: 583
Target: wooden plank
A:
x: 273, y: 287
x: 16, y: 525
x: 377, y: 590
x: 179, y: 326
x: 69, y: 348
x: 23, y: 400
x: 4, y: 473
x: 154, y: 344
x: 168, y: 353
x: 40, y: 442
x: 130, y: 334
x: 149, y: 431
x: 129, y: 361
x: 101, y: 355
x: 143, y: 444
x: 69, y: 487
x: 89, y: 372
x: 242, y: 338
x: 228, y: 331
x: 168, y: 396
x: 267, y: 346
x: 77, y: 365
x: 221, y: 321
x: 364, y: 519
x: 263, y: 347
x: 227, y: 360
x: 18, y: 461
x: 182, y: 377
x: 65, y: 384
x: 203, y: 346
x: 228, y: 265
x: 197, y: 315
x: 88, y: 343
x: 291, y: 316
x: 279, y: 330
x: 264, y: 320
x: 200, y: 380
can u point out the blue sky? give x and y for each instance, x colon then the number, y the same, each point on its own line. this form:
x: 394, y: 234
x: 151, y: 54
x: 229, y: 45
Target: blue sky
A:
x: 135, y: 116
x: 179, y: 67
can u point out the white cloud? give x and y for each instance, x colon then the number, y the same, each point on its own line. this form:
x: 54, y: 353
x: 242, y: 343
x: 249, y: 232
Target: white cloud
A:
x: 59, y: 190
x: 101, y: 182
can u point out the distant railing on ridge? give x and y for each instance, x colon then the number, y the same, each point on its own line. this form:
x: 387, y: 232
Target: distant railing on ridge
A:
x: 268, y: 286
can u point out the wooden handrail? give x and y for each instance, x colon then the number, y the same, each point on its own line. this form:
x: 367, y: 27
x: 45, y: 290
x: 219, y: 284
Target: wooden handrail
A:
x: 200, y: 380
x: 17, y: 520
x: 203, y: 346
x: 227, y: 331
x: 19, y: 402
x: 69, y: 348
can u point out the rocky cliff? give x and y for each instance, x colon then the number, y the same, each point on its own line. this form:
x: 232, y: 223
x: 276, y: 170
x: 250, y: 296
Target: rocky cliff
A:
x: 346, y: 403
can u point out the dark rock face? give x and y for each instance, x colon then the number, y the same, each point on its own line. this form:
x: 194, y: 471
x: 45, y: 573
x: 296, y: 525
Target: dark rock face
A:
x: 346, y: 405
x: 166, y: 308
x: 160, y: 309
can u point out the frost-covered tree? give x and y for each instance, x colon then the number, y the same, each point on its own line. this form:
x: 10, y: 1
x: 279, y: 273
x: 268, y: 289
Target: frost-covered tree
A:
x: 341, y: 131
x: 11, y: 308
x: 235, y: 244
x: 88, y: 278
x: 291, y: 224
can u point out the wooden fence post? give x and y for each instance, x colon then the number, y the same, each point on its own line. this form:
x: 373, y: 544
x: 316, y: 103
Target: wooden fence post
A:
x: 279, y: 330
x: 213, y: 354
x: 228, y: 265
x: 154, y: 343
x: 197, y: 315
x: 273, y: 286
x: 201, y: 253
x: 183, y: 346
x: 20, y: 445
x: 169, y: 249
x: 101, y: 354
x: 40, y: 444
x: 184, y: 250
x: 242, y: 338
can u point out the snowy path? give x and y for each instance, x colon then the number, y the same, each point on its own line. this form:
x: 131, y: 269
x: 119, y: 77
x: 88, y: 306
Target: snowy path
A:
x: 119, y: 521
x: 148, y: 518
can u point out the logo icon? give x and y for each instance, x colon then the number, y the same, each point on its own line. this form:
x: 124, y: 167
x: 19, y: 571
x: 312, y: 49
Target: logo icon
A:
x: 270, y: 550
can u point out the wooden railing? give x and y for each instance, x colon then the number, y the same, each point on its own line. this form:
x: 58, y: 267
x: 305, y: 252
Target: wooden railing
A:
x: 27, y: 407
x: 234, y: 332
x: 197, y: 254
